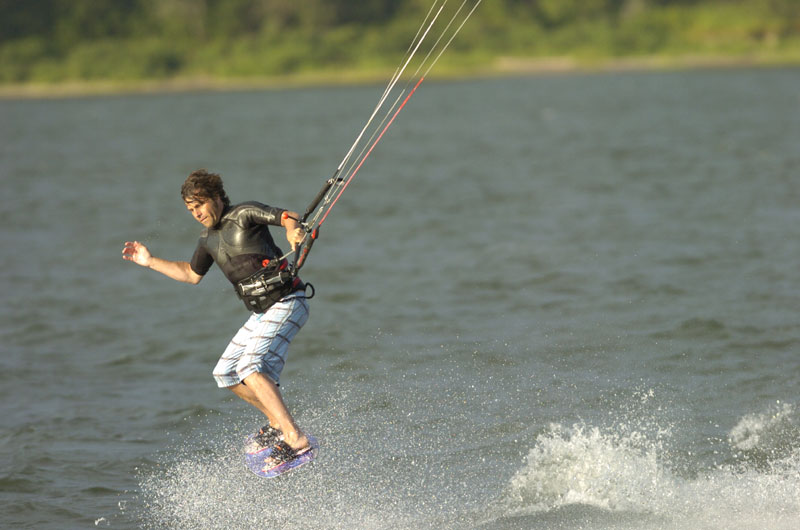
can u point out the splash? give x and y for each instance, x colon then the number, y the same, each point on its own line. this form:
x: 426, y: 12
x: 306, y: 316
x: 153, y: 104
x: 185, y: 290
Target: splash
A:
x: 380, y: 482
x: 213, y: 489
x: 739, y: 498
x: 774, y: 431
x: 582, y: 465
x: 624, y: 474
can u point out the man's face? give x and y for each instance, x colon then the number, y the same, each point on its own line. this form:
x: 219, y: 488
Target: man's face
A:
x: 206, y: 211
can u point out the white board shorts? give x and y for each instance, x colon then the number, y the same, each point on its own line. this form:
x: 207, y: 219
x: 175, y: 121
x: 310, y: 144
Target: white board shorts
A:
x: 262, y: 344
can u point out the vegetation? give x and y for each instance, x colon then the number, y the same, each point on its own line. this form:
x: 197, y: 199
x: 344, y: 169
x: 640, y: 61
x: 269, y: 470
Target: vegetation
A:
x: 54, y: 41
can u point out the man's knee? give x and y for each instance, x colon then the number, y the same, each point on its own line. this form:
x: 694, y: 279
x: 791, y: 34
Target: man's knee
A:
x: 260, y: 378
x: 238, y: 388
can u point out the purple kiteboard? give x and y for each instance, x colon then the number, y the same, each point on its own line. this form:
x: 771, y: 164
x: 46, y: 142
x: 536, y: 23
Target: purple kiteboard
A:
x: 255, y: 460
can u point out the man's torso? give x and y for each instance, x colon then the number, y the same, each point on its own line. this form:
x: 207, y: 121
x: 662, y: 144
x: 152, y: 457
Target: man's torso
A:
x: 240, y: 242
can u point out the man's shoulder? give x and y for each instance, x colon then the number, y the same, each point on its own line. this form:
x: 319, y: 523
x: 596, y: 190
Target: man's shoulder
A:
x: 249, y: 204
x: 245, y: 206
x: 252, y: 211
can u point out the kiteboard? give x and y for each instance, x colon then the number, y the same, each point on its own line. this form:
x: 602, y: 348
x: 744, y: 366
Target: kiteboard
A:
x: 255, y: 459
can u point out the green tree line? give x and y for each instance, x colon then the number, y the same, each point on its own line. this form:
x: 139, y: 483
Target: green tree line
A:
x: 49, y: 41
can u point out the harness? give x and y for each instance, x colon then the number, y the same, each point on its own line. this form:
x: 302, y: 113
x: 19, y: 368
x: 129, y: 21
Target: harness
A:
x: 262, y: 289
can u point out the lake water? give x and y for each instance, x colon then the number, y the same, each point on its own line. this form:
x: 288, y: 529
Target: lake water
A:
x: 544, y: 302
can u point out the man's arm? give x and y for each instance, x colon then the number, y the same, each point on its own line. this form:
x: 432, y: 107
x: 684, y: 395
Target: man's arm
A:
x: 177, y: 270
x: 294, y: 233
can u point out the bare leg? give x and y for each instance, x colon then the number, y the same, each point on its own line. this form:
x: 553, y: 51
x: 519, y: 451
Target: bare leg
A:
x: 263, y: 394
x: 244, y: 392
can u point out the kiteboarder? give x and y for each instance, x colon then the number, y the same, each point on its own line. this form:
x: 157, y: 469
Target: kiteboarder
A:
x: 238, y: 240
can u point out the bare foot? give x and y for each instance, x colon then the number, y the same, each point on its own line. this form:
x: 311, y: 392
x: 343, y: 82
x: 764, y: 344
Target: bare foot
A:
x: 281, y: 454
x: 296, y: 440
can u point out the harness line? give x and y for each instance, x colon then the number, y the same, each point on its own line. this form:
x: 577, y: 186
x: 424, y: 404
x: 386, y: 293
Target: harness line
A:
x: 333, y: 188
x: 422, y: 63
x: 390, y: 87
x: 364, y: 158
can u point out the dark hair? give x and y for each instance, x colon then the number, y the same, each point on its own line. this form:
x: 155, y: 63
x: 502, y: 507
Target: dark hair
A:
x: 202, y: 185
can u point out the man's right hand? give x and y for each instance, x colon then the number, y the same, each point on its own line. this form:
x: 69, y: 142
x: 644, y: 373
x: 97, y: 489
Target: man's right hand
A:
x: 137, y: 253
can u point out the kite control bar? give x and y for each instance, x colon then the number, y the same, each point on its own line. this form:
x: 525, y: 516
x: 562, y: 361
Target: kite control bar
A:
x: 312, y: 232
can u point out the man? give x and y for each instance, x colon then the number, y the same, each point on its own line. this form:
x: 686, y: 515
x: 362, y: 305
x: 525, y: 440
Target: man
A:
x: 238, y: 239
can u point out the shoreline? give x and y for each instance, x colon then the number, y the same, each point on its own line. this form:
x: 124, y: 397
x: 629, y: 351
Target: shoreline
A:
x: 501, y: 67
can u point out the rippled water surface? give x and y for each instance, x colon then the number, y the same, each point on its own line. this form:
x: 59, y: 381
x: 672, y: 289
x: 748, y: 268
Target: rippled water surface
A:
x: 546, y: 302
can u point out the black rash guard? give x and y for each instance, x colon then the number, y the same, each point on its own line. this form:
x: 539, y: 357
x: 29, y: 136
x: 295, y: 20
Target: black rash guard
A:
x: 240, y: 242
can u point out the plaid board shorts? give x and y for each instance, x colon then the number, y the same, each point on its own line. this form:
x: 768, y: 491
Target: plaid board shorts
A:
x: 261, y: 345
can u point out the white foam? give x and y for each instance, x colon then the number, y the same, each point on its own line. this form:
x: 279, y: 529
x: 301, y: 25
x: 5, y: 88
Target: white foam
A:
x: 215, y: 490
x: 625, y: 473
x: 622, y: 472
x: 206, y: 485
x: 772, y: 430
x: 581, y: 465
x: 735, y: 498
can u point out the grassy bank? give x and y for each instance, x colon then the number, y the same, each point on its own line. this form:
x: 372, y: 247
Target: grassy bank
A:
x: 498, y: 67
x: 188, y: 51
